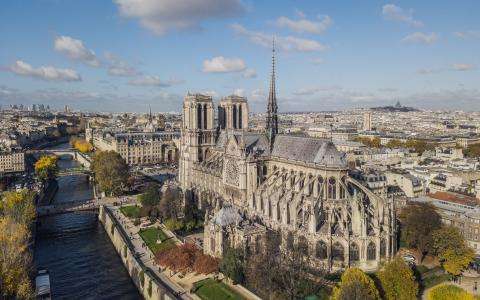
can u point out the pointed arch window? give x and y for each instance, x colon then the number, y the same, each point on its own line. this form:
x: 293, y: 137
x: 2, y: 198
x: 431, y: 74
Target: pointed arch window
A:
x: 371, y: 251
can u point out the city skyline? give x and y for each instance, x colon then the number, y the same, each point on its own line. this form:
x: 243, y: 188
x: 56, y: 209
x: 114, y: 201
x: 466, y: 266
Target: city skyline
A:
x: 131, y: 54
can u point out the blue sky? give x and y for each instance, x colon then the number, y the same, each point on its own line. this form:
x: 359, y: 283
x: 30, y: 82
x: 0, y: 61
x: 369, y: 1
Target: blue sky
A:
x: 125, y: 55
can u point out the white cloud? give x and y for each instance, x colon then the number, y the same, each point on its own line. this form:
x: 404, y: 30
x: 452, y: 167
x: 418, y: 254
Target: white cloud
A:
x: 428, y: 71
x: 317, y: 61
x: 305, y: 91
x: 250, y: 73
x: 74, y: 49
x: 44, y: 72
x: 421, y: 38
x: 151, y: 80
x: 469, y: 34
x: 221, y: 64
x: 118, y: 67
x: 285, y: 43
x: 210, y: 93
x: 160, y: 16
x: 395, y: 13
x: 313, y: 90
x: 239, y: 92
x: 463, y: 67
x: 303, y: 25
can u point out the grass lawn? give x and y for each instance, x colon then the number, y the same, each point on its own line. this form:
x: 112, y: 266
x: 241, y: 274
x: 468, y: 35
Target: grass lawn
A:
x: 211, y: 289
x: 150, y: 236
x: 131, y: 211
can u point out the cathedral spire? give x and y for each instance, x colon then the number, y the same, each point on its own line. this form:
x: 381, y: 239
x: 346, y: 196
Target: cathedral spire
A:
x: 272, y: 119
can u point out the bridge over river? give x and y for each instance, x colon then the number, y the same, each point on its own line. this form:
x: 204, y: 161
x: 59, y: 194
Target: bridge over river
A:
x: 83, y: 205
x: 82, y: 158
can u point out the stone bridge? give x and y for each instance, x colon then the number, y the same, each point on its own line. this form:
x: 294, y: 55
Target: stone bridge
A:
x: 83, y: 159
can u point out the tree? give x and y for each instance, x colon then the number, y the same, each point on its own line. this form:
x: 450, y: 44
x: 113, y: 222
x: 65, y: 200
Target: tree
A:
x: 454, y: 261
x: 111, y: 172
x: 232, y: 265
x: 151, y: 196
x: 355, y: 285
x: 398, y: 281
x: 452, y: 250
x: 15, y: 260
x: 205, y: 264
x: 449, y: 292
x: 81, y: 145
x: 178, y: 258
x: 419, y: 146
x: 445, y: 238
x: 394, y: 143
x: 370, y: 142
x: 19, y: 206
x: 278, y: 273
x: 169, y: 207
x: 473, y: 151
x: 46, y: 167
x: 418, y: 221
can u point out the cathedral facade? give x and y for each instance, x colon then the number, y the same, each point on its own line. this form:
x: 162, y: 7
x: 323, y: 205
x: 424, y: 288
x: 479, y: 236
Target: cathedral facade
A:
x: 252, y: 183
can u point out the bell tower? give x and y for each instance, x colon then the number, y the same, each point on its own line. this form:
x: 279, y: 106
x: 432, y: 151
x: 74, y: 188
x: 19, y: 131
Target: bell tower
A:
x: 198, y: 133
x: 233, y: 113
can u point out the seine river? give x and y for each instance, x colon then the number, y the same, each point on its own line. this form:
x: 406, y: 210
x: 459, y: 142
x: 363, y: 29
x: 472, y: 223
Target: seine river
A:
x: 74, y: 247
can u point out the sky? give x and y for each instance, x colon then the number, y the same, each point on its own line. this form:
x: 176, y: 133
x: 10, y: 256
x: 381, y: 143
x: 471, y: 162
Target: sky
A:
x: 127, y: 55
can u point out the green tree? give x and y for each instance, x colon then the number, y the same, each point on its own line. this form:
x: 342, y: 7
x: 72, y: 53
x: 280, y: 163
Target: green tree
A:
x: 151, y: 196
x: 355, y: 285
x: 447, y: 237
x: 111, y: 172
x: 398, y: 281
x: 170, y: 204
x: 418, y: 221
x: 232, y: 265
x: 452, y: 250
x: 454, y: 261
x: 46, y: 167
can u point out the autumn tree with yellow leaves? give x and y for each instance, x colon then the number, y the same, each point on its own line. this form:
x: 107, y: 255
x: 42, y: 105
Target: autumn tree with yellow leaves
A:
x: 46, y: 167
x: 17, y: 213
x: 81, y: 145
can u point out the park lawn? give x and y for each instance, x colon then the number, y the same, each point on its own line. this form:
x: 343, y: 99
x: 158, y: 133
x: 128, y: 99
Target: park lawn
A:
x: 150, y: 236
x: 131, y: 211
x: 211, y: 289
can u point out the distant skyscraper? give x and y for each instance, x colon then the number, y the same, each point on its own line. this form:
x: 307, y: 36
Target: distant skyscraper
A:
x: 367, y: 121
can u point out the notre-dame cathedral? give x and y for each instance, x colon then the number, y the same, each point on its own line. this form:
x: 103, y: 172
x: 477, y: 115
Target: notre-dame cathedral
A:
x: 250, y: 183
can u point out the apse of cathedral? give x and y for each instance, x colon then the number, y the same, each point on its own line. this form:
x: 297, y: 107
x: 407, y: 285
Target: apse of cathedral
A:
x: 249, y: 184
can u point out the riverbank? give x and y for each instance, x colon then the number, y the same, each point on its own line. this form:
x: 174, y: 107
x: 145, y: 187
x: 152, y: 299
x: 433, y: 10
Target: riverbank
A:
x: 150, y: 285
x: 184, y: 284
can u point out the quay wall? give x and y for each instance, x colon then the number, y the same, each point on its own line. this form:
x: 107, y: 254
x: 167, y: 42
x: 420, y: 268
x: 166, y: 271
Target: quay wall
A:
x: 152, y: 287
x: 83, y: 159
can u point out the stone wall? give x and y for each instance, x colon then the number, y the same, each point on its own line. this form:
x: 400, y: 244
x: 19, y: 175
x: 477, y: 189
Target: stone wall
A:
x: 83, y: 159
x: 151, y: 287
